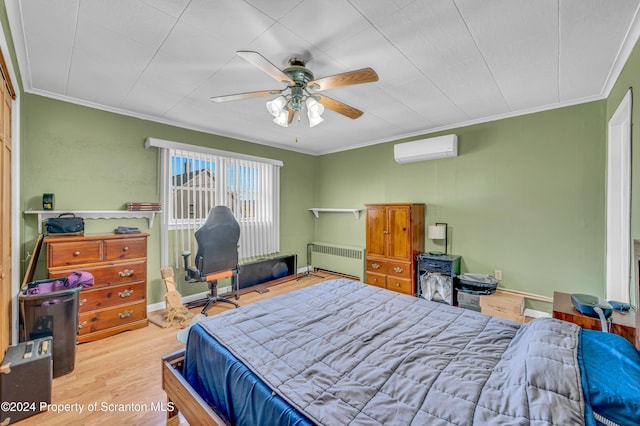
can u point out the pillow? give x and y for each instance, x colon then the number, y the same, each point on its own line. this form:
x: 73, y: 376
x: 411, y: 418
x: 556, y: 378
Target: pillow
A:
x: 610, y: 369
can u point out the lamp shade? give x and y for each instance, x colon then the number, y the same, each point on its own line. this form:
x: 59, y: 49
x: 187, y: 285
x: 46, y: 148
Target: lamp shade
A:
x: 437, y: 232
x: 314, y: 112
x: 282, y: 119
x: 314, y: 107
x: 276, y: 106
x: 314, y: 121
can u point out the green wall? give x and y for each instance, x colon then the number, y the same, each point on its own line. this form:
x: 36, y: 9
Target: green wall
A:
x: 96, y: 160
x: 525, y: 195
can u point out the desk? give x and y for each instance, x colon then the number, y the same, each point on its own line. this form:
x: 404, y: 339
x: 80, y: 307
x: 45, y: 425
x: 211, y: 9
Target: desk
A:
x: 623, y: 325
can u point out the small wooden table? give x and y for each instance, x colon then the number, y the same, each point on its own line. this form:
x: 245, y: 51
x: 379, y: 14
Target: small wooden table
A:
x: 623, y: 324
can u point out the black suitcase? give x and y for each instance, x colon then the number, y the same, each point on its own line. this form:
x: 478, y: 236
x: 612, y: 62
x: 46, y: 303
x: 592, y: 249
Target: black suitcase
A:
x: 25, y: 380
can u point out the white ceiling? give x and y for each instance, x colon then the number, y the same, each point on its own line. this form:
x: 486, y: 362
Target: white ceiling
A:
x: 441, y: 63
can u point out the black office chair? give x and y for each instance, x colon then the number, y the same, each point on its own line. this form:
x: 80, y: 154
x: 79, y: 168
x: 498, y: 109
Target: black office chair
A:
x: 217, y: 255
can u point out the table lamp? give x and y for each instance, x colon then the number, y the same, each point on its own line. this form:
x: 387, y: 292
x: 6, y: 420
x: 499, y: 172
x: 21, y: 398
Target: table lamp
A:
x: 438, y: 232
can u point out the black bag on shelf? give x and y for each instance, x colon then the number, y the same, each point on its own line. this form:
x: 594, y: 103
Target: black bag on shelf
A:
x: 65, y: 224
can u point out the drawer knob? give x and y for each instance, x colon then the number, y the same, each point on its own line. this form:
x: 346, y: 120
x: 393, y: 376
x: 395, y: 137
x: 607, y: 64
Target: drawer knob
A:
x: 375, y: 266
x: 76, y: 253
x: 82, y: 301
x: 375, y: 280
x: 125, y: 293
x: 398, y: 269
x: 397, y: 284
x: 126, y: 273
x: 125, y: 314
x: 82, y: 324
x: 125, y: 248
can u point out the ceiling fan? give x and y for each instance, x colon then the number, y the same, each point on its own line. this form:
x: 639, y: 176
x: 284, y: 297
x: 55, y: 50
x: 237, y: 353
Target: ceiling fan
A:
x: 301, y: 87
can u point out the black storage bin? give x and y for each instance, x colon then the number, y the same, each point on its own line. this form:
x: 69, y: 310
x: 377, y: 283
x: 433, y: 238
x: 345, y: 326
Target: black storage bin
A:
x: 52, y: 314
x: 477, y: 283
x: 25, y: 382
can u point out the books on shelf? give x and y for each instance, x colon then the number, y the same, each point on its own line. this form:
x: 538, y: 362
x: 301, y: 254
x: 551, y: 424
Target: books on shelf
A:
x: 138, y: 205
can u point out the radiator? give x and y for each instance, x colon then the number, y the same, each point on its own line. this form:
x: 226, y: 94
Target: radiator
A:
x: 338, y: 258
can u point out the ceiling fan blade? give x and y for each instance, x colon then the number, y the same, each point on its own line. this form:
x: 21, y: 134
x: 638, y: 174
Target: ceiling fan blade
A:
x: 365, y: 75
x: 261, y: 62
x: 339, y: 107
x: 238, y: 96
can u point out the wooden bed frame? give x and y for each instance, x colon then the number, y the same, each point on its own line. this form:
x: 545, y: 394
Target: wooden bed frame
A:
x: 197, y: 412
x: 180, y: 394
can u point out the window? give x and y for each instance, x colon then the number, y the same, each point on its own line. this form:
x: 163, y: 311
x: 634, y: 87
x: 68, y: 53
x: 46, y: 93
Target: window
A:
x: 195, y: 179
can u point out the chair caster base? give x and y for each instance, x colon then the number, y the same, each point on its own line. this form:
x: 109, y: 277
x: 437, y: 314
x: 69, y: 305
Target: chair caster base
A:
x: 212, y: 300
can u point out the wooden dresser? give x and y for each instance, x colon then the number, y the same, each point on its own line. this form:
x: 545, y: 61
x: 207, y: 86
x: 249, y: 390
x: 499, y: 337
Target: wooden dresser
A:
x: 395, y: 236
x: 117, y: 300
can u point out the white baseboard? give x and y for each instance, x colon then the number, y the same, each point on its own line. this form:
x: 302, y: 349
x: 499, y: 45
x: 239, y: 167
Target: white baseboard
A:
x: 186, y: 299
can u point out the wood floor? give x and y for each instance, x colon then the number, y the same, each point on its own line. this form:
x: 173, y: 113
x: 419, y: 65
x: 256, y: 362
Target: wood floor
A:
x: 117, y: 380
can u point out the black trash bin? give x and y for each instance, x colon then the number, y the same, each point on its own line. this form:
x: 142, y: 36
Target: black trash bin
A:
x: 52, y: 313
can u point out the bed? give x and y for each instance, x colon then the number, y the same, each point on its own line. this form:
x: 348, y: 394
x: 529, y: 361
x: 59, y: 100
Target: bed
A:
x: 343, y: 352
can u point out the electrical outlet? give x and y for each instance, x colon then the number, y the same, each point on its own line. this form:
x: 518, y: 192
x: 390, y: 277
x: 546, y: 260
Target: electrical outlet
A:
x: 498, y: 274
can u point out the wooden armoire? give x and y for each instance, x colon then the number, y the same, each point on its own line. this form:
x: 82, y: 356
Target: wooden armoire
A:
x: 395, y: 236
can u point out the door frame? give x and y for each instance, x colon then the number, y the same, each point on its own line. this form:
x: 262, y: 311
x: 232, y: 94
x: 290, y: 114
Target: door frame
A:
x: 618, y: 207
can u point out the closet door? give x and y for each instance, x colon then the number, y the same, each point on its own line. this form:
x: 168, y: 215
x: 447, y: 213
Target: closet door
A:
x: 7, y: 96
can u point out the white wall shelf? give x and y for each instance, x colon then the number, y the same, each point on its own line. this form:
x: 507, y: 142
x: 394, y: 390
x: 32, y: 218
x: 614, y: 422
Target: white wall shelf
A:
x: 96, y: 214
x: 316, y: 211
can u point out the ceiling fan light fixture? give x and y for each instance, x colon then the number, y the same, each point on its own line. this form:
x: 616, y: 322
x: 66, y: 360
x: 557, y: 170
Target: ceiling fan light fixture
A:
x: 299, y: 81
x: 276, y: 106
x: 314, y: 121
x: 282, y: 119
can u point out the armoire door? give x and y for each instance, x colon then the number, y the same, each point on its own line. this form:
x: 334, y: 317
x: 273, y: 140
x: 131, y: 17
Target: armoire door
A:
x: 399, y: 227
x: 376, y: 231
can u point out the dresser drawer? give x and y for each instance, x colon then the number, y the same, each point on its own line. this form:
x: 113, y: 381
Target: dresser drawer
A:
x: 376, y: 266
x: 110, y: 274
x: 400, y: 270
x: 401, y: 285
x: 73, y: 253
x: 102, y: 319
x: 379, y: 280
x: 132, y: 248
x: 105, y: 297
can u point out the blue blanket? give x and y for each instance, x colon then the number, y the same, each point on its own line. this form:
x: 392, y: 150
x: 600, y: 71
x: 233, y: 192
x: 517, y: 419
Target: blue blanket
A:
x: 344, y: 352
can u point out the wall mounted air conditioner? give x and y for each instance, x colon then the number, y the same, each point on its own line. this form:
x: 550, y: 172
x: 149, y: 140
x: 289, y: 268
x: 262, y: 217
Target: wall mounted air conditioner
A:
x: 426, y: 149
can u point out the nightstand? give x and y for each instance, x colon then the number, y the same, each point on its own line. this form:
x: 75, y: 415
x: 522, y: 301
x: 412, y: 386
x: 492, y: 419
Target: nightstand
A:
x: 446, y: 265
x: 623, y: 324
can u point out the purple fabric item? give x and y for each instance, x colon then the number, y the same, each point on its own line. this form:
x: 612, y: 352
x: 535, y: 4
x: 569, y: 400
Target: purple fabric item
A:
x: 47, y: 287
x: 80, y: 278
x: 76, y: 279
